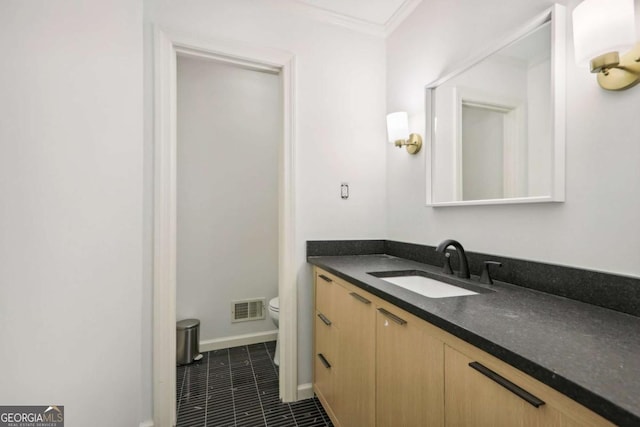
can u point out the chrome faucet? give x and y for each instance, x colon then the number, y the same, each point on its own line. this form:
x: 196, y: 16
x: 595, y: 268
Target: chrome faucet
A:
x: 464, y: 263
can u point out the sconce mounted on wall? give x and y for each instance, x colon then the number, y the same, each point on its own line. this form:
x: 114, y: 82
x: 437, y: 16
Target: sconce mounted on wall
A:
x: 602, y: 29
x: 398, y: 132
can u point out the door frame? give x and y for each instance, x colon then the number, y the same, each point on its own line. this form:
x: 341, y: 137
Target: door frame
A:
x: 514, y: 132
x: 167, y: 46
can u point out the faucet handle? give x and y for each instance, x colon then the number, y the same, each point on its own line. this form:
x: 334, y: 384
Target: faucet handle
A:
x: 486, y: 277
x: 446, y: 268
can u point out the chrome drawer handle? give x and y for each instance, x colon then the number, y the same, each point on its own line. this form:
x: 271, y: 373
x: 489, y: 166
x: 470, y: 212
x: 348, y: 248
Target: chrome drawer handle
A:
x: 360, y: 298
x: 324, y: 319
x: 513, y: 388
x: 398, y: 320
x: 325, y: 278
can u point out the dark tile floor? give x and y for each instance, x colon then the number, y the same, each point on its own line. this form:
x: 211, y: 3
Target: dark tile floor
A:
x: 239, y: 387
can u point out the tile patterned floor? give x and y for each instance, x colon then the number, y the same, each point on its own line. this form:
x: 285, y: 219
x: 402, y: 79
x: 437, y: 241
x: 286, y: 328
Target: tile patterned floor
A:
x: 239, y: 387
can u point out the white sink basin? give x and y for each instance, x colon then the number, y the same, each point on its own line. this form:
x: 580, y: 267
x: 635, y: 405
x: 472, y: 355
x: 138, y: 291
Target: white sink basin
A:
x: 428, y: 287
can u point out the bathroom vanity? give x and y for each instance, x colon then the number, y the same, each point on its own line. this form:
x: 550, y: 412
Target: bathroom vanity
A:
x: 387, y: 356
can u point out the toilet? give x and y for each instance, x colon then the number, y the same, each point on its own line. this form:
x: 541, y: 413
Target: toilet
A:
x: 274, y: 313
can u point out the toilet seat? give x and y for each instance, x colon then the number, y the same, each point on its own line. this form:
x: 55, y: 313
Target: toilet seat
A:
x: 274, y: 313
x: 274, y: 304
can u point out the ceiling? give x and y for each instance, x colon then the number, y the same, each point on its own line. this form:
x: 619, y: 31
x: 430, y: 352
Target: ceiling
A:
x: 376, y: 12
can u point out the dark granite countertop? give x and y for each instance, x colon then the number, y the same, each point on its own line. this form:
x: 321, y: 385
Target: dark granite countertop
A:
x: 589, y: 353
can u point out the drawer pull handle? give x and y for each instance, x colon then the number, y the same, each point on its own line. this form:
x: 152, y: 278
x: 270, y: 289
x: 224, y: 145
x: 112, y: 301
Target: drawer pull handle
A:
x: 360, y: 298
x: 324, y: 361
x: 324, y: 319
x: 398, y: 320
x: 325, y: 278
x: 513, y: 388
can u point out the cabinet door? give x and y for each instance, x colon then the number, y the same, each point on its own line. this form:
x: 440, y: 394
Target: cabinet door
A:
x: 481, y: 393
x: 409, y: 371
x: 356, y: 354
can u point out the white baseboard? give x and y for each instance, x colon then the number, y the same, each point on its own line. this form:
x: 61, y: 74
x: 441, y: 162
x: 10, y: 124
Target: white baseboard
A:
x: 305, y: 391
x: 147, y: 423
x: 238, y: 340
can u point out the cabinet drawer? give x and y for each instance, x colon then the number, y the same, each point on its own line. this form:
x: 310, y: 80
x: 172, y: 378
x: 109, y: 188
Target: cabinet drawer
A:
x: 480, y: 391
x: 325, y: 360
x: 325, y: 285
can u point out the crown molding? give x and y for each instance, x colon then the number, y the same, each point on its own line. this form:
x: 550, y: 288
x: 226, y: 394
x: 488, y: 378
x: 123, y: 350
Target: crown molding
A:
x: 400, y: 15
x: 333, y: 18
x: 350, y: 22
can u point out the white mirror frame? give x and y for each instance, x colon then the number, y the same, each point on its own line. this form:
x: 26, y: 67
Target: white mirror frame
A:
x: 556, y: 15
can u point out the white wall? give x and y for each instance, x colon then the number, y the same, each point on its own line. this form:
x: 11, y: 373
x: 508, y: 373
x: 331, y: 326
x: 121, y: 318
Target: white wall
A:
x: 229, y: 131
x: 71, y: 208
x: 340, y: 119
x: 596, y: 227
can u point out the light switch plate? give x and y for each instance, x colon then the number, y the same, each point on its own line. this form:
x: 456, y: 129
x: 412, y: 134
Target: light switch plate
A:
x: 344, y: 190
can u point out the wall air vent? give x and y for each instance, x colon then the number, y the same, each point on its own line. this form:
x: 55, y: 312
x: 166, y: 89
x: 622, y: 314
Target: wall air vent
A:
x: 243, y: 311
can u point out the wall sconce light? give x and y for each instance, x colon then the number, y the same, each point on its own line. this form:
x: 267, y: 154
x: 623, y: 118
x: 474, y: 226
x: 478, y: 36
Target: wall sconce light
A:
x: 601, y: 30
x: 398, y: 130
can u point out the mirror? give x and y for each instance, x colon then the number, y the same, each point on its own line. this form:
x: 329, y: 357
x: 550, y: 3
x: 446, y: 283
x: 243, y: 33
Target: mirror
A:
x: 496, y: 125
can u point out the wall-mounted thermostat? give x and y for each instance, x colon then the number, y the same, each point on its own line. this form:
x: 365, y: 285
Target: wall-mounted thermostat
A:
x: 344, y: 190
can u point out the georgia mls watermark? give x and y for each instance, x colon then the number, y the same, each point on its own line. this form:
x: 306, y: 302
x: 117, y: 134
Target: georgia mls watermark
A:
x: 32, y: 416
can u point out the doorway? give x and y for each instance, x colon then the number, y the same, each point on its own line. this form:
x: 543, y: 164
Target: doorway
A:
x: 229, y: 130
x: 167, y: 48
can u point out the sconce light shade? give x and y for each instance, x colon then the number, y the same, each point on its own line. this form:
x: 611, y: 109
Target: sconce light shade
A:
x: 397, y: 126
x: 601, y: 27
x: 398, y: 132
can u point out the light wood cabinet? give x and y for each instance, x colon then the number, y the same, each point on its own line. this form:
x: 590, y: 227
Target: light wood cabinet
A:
x: 344, y: 367
x: 326, y: 343
x: 356, y: 385
x: 376, y: 365
x: 325, y: 357
x: 409, y: 371
x: 325, y: 292
x: 483, y: 391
